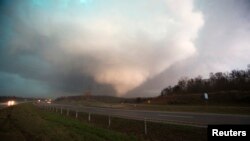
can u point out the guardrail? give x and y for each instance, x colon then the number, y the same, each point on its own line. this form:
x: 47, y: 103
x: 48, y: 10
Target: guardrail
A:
x: 66, y: 109
x: 70, y: 108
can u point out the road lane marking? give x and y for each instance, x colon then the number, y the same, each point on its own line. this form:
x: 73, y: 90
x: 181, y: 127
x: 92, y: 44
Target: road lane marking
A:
x: 175, y: 116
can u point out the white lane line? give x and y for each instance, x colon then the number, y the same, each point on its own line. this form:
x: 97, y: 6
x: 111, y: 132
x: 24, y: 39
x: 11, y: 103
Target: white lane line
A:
x: 163, y: 115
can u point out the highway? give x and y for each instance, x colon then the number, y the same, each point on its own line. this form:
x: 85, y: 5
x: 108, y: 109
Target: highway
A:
x: 183, y: 118
x: 5, y: 104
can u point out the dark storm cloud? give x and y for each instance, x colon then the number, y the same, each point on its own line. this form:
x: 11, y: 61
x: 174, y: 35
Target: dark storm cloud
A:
x: 66, y: 47
x: 54, y: 48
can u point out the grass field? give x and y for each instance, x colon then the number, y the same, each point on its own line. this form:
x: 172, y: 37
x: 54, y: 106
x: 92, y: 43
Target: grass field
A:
x: 28, y: 122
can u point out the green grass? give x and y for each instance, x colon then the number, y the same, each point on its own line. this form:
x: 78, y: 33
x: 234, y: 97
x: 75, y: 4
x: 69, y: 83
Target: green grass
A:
x: 30, y: 123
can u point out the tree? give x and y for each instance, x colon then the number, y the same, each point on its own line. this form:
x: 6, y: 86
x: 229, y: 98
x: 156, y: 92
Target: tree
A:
x: 183, y: 84
x: 219, y: 81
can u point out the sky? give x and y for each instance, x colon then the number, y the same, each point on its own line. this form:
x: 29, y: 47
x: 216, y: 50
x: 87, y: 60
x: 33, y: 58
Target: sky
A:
x: 51, y: 48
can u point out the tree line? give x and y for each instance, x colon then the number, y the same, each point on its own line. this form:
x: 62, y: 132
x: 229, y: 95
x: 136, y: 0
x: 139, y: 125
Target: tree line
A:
x: 219, y: 81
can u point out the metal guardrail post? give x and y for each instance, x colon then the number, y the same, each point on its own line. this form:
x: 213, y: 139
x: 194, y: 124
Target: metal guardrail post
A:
x: 145, y: 126
x: 67, y: 112
x: 61, y: 111
x: 76, y: 114
x: 89, y: 117
x: 109, y: 121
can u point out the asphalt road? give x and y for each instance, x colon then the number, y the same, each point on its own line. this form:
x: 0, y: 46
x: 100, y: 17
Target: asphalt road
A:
x: 184, y: 118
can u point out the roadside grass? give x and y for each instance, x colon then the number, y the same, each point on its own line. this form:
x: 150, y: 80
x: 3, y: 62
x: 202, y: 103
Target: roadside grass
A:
x: 28, y: 123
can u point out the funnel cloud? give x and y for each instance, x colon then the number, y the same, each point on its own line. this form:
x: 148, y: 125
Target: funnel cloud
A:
x: 65, y: 47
